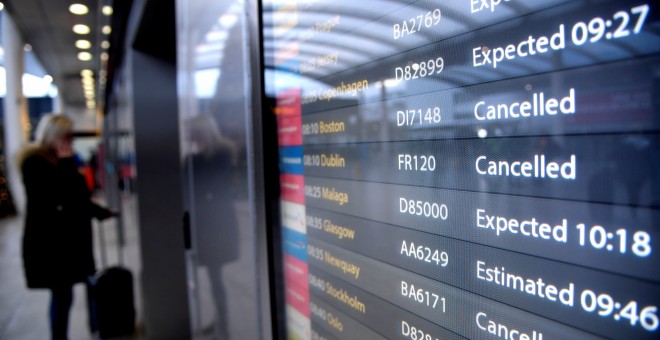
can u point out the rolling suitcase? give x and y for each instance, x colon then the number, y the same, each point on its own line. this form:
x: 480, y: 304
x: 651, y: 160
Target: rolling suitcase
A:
x: 115, y: 311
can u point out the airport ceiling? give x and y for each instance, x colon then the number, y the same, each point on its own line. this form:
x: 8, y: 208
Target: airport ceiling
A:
x: 48, y: 26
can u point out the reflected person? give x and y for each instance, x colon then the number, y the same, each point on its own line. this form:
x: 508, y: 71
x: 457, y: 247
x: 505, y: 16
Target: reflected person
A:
x: 215, y: 220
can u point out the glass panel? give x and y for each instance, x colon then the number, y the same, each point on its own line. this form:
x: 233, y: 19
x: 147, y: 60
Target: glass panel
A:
x: 213, y: 70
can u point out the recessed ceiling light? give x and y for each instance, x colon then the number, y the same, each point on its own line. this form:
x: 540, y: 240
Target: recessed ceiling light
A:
x: 48, y: 78
x: 2, y: 6
x: 228, y: 20
x: 106, y: 29
x: 104, y: 56
x: 107, y: 10
x: 81, y: 29
x: 87, y: 73
x: 85, y: 56
x: 78, y: 9
x: 105, y: 44
x: 27, y: 47
x: 83, y: 44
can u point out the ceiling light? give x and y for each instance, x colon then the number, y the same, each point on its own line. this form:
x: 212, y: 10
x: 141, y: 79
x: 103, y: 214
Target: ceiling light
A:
x: 228, y: 20
x: 482, y: 133
x: 215, y: 36
x: 104, y: 56
x: 105, y: 44
x: 107, y: 10
x: 78, y: 9
x: 27, y: 47
x: 83, y: 44
x: 81, y: 29
x: 88, y: 80
x: 87, y: 73
x: 2, y: 6
x: 391, y: 82
x: 85, y: 56
x: 48, y: 78
x: 106, y: 29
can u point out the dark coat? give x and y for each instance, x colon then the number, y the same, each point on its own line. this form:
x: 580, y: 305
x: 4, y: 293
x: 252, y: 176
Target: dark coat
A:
x: 57, y: 242
x: 216, y: 225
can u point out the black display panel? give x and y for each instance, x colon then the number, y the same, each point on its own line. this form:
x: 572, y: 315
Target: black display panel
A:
x: 468, y: 168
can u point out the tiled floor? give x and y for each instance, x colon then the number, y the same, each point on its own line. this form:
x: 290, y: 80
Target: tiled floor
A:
x: 23, y: 312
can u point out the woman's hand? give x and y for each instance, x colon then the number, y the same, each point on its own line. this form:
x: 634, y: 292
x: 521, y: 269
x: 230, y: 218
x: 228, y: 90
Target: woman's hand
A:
x: 105, y: 214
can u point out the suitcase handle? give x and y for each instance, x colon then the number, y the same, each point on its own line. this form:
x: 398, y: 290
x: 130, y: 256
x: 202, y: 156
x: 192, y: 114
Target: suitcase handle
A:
x: 104, y: 255
x: 103, y: 249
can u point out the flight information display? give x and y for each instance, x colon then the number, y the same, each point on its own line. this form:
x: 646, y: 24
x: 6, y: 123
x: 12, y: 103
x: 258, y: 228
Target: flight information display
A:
x: 478, y: 169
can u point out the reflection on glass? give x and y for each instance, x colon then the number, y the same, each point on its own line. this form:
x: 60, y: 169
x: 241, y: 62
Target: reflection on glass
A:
x: 215, y: 102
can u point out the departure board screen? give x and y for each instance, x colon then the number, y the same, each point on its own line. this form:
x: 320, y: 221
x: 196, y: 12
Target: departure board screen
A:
x: 480, y: 169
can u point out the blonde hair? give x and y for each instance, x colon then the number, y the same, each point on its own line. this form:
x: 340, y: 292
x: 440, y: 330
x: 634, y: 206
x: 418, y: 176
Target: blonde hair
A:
x: 52, y: 128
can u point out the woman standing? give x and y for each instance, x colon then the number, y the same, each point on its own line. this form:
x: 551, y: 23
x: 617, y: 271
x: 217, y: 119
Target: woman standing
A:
x: 57, y: 242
